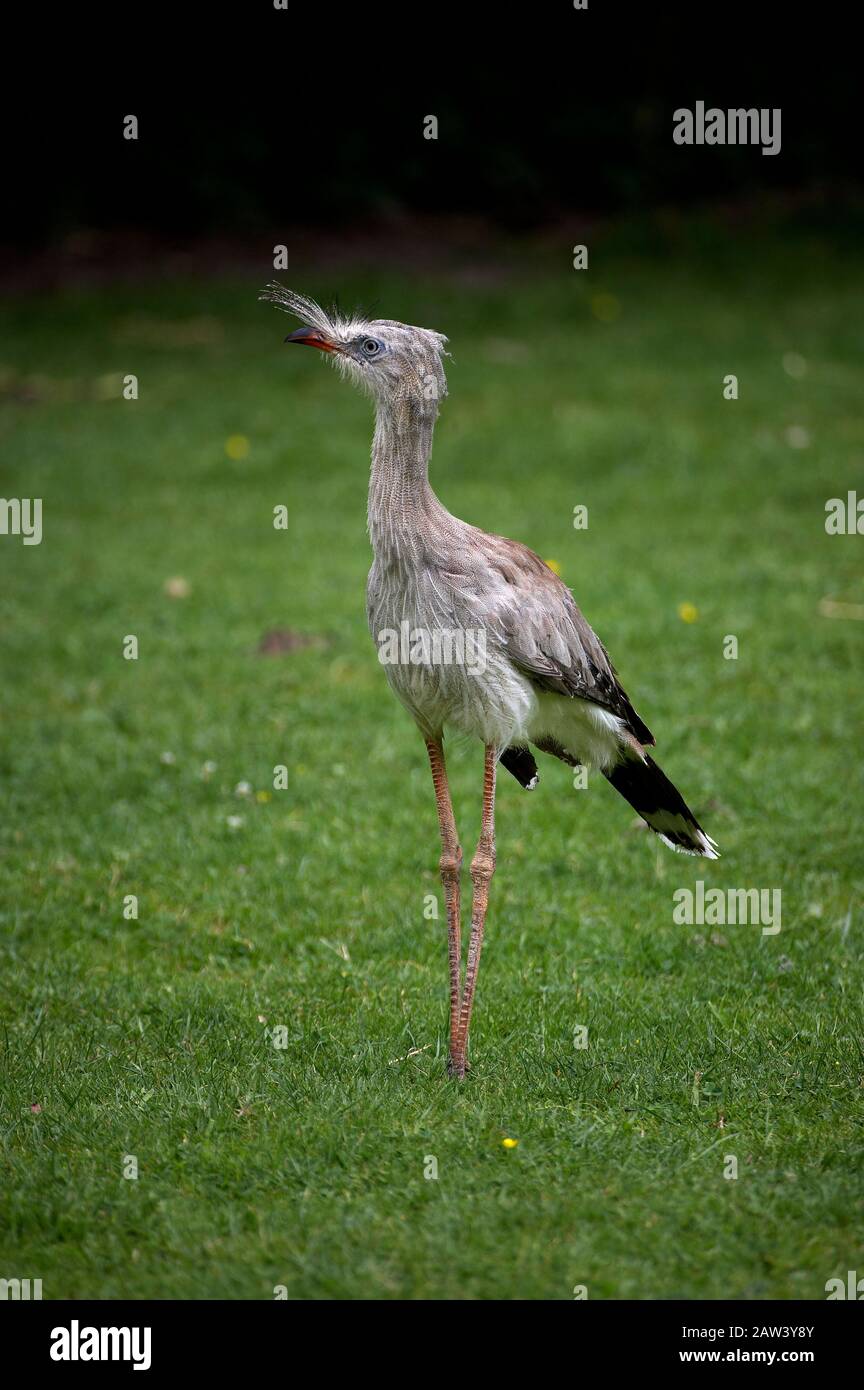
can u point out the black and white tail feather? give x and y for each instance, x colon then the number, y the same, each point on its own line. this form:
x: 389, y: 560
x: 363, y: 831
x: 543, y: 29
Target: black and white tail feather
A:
x: 641, y: 782
x: 660, y: 804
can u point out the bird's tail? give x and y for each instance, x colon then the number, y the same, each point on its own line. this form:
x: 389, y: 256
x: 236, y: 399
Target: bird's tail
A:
x: 649, y: 791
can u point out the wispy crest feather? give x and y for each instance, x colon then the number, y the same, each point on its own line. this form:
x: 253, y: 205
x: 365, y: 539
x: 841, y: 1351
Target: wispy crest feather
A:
x: 329, y: 321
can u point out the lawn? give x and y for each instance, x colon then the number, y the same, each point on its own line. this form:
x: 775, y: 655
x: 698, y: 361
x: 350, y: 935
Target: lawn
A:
x: 265, y: 1042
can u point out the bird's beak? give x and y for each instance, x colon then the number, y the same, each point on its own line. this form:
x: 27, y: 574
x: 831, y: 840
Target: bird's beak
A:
x: 312, y: 337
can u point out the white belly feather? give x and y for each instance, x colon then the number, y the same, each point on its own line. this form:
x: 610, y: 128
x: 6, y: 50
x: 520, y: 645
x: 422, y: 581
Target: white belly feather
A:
x: 500, y: 705
x: 487, y: 697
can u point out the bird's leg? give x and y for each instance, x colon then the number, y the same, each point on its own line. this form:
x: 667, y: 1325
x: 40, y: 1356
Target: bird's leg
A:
x: 451, y: 867
x: 482, y: 869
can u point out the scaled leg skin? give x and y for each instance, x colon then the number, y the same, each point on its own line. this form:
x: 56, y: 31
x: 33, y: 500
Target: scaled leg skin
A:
x: 482, y: 869
x: 451, y: 867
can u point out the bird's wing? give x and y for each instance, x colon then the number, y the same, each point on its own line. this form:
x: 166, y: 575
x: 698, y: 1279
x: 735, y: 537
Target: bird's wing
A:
x: 546, y: 635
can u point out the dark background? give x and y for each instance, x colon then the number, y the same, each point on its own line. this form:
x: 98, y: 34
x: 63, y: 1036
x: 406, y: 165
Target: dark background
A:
x: 251, y: 117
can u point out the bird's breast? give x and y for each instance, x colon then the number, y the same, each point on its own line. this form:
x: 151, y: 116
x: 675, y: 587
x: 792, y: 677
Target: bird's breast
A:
x: 442, y: 663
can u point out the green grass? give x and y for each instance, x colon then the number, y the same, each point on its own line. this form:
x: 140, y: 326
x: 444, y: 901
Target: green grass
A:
x: 304, y: 1165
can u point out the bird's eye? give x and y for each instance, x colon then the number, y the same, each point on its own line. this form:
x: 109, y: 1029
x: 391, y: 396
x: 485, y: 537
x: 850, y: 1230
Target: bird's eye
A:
x: 371, y: 346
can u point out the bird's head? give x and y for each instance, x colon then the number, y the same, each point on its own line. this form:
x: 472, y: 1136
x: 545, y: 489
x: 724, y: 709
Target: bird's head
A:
x: 398, y: 364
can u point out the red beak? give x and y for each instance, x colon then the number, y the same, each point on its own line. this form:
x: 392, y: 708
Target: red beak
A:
x: 312, y: 337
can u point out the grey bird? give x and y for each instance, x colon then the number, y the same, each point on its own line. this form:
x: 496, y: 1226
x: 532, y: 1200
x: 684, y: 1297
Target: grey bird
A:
x: 475, y: 632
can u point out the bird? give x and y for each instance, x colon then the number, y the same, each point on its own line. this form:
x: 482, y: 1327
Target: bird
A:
x: 528, y: 674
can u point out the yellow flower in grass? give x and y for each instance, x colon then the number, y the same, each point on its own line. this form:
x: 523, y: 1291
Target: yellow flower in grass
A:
x: 606, y: 308
x: 509, y: 1143
x: 688, y: 612
x: 237, y: 446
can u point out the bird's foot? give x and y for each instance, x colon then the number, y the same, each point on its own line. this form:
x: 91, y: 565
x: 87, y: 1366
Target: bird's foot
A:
x: 457, y: 1067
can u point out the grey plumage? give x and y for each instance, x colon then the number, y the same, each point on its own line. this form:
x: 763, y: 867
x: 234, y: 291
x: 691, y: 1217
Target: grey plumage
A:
x: 547, y: 679
x: 551, y: 681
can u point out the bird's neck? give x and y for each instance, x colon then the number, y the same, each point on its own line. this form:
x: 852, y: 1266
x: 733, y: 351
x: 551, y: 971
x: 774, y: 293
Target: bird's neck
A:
x: 402, y: 505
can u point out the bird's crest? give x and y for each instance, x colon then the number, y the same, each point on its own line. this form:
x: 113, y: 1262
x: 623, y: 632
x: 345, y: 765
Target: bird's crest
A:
x: 328, y: 321
x: 332, y: 321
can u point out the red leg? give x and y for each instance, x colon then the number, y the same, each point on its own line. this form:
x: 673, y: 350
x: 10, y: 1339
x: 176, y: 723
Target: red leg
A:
x: 450, y: 865
x: 482, y: 869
